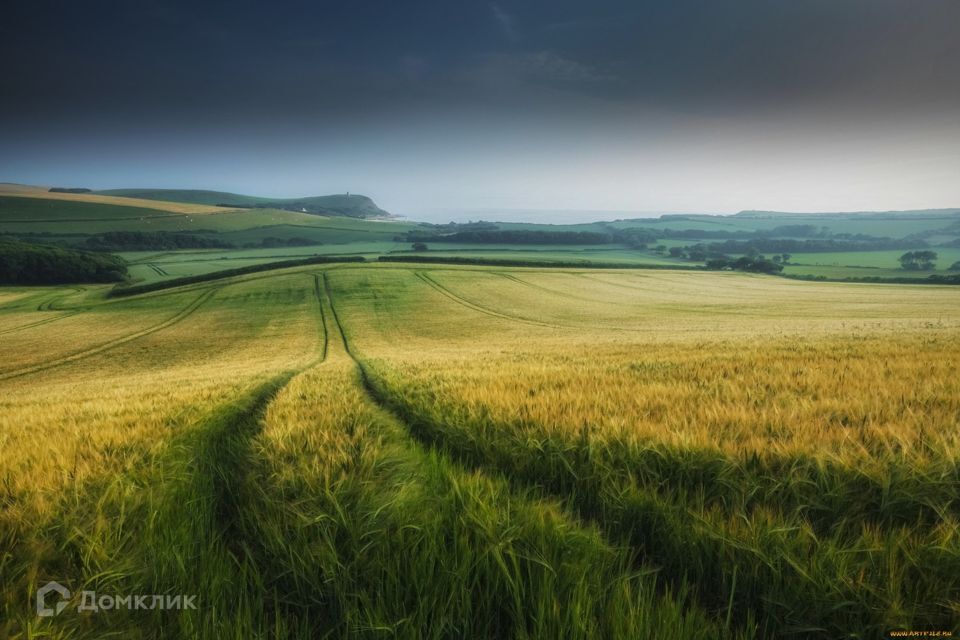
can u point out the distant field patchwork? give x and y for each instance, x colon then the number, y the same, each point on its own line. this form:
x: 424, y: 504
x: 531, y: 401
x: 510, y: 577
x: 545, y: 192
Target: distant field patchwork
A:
x: 828, y: 246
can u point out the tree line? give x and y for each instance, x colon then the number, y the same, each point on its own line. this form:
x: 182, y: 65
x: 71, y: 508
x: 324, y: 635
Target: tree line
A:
x: 151, y: 241
x: 30, y: 264
x: 511, y: 236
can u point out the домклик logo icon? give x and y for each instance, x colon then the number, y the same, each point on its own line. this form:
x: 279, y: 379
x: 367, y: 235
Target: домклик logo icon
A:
x: 42, y: 609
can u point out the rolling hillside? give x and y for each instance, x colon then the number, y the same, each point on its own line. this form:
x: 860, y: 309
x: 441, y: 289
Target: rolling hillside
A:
x: 205, y: 231
x: 9, y: 189
x: 330, y: 450
x: 350, y: 205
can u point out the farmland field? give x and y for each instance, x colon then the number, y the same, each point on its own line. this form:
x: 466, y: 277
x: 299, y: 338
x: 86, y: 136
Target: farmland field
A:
x: 437, y: 451
x: 217, y: 238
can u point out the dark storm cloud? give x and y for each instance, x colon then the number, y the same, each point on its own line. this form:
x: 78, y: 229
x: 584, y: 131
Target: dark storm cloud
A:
x: 195, y: 56
x: 683, y: 104
x: 270, y: 58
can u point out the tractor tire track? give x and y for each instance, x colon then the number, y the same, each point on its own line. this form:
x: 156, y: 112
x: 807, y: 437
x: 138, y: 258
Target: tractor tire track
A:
x: 432, y: 438
x: 223, y: 450
x: 427, y: 441
x: 475, y: 307
x: 199, y: 512
x: 396, y: 412
x: 590, y: 277
x: 323, y: 315
x: 593, y: 278
x: 555, y: 292
x: 587, y: 325
x: 86, y: 353
x: 660, y: 282
x: 38, y: 323
x: 440, y: 288
x: 47, y: 304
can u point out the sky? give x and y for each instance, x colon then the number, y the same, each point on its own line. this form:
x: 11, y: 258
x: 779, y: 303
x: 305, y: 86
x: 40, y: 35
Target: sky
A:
x: 438, y: 106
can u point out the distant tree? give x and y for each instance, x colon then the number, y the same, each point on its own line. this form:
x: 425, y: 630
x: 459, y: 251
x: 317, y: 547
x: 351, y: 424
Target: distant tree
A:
x: 634, y: 238
x: 757, y: 264
x: 785, y: 258
x: 918, y: 260
x: 677, y: 252
x: 754, y: 264
x: 660, y: 248
x: 419, y: 246
x: 955, y: 266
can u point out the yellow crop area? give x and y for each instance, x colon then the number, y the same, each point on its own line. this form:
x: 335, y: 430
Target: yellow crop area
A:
x: 435, y: 451
x: 28, y: 191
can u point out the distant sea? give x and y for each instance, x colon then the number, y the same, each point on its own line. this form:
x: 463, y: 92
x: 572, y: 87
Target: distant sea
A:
x: 540, y: 216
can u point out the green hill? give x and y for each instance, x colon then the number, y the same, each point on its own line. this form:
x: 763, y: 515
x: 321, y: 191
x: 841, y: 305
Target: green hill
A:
x: 350, y: 205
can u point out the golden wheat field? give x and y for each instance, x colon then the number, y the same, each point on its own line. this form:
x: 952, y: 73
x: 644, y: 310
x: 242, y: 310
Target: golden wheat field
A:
x: 29, y: 191
x: 438, y: 451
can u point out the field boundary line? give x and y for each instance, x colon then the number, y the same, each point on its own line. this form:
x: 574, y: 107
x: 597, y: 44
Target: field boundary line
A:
x: 181, y: 315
